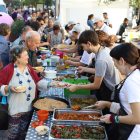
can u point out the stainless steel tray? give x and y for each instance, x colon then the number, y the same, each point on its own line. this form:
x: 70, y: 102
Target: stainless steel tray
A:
x: 82, y: 77
x: 81, y: 96
x: 58, y: 123
x: 83, y: 111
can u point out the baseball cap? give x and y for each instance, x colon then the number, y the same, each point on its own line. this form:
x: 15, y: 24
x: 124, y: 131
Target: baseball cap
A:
x: 87, y: 27
x: 96, y: 19
x: 70, y: 34
x: 71, y: 22
x: 78, y: 28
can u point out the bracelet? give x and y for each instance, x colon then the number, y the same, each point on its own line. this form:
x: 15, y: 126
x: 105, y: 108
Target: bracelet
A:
x: 116, y: 119
x: 48, y: 84
x: 9, y: 89
x: 111, y: 118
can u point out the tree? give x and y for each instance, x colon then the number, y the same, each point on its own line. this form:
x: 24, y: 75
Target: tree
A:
x: 135, y: 3
x: 49, y: 3
x: 32, y: 2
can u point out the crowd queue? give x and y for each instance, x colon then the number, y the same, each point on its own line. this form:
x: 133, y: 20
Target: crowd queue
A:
x: 114, y: 70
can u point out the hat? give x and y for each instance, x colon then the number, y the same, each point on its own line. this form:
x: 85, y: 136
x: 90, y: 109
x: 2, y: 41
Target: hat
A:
x: 78, y: 28
x: 71, y: 23
x: 87, y: 27
x: 96, y: 19
x: 57, y: 23
x: 70, y: 34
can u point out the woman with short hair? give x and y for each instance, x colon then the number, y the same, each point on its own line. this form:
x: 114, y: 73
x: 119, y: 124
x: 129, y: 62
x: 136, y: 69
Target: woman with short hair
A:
x: 5, y: 31
x: 18, y: 73
x: 54, y: 37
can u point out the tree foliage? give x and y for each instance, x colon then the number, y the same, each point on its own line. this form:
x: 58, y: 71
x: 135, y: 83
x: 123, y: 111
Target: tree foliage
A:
x: 135, y: 3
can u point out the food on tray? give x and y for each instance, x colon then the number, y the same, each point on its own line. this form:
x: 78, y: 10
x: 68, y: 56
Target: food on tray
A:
x: 42, y: 130
x: 67, y: 76
x: 72, y: 116
x: 83, y: 102
x: 76, y: 108
x: 60, y: 85
x: 45, y: 104
x: 60, y: 66
x: 36, y: 123
x: 78, y: 132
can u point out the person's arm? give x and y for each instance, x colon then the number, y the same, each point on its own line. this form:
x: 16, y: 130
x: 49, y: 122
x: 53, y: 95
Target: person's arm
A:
x: 85, y: 69
x: 90, y: 23
x: 72, y: 50
x: 44, y: 44
x: 75, y: 64
x: 74, y: 59
x: 61, y: 39
x: 76, y: 54
x: 128, y: 27
x: 62, y: 31
x: 93, y: 86
x: 48, y: 40
x: 110, y: 25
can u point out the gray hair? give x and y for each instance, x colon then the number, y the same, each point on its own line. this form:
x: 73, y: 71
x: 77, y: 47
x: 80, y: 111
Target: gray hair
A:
x: 16, y: 52
x: 26, y: 29
x: 31, y: 35
x: 57, y: 23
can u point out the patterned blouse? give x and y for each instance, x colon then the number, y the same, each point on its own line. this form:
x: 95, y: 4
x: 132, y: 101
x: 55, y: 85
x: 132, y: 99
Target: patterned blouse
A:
x: 55, y: 40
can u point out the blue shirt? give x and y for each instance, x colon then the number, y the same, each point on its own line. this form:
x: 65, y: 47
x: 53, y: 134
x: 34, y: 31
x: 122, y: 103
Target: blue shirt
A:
x: 4, y: 51
x: 90, y: 23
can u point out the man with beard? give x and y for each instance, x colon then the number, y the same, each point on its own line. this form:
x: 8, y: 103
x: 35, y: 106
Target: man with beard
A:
x: 106, y: 75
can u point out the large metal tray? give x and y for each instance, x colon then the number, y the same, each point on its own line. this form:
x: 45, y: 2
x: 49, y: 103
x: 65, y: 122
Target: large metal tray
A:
x: 83, y: 111
x: 58, y: 123
x: 81, y: 96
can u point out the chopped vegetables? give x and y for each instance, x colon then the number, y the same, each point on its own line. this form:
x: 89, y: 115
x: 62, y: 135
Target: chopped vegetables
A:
x: 83, y: 102
x: 36, y: 123
x: 78, y: 132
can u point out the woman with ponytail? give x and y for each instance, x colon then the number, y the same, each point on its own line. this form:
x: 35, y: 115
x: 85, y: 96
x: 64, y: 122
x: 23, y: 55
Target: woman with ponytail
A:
x: 90, y: 22
x: 126, y: 105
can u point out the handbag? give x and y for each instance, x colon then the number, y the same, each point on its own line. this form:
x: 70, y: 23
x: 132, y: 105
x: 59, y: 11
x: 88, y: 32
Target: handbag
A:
x: 3, y: 113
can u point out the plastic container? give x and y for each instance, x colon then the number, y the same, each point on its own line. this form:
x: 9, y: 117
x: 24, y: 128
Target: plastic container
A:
x: 61, y: 53
x: 43, y: 115
x: 79, y: 91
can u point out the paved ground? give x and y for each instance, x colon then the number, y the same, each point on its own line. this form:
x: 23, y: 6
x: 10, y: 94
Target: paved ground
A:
x: 3, y: 135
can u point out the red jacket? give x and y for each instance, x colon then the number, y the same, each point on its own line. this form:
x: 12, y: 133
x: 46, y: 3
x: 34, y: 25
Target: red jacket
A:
x: 8, y: 71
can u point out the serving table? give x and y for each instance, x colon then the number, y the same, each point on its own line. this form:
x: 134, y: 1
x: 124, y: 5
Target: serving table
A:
x: 58, y: 92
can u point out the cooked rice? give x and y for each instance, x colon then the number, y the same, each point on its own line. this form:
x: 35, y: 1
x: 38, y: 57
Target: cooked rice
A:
x: 45, y: 104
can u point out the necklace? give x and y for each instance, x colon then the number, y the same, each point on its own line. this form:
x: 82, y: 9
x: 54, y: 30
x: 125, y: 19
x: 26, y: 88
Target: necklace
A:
x: 20, y: 82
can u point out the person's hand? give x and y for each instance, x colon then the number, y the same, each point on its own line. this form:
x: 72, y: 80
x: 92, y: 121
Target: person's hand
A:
x: 12, y: 89
x: 42, y: 74
x: 56, y: 48
x: 106, y: 118
x: 51, y: 84
x: 47, y: 43
x: 78, y: 57
x: 44, y: 57
x: 67, y: 62
x: 80, y: 69
x: 72, y: 87
x: 35, y: 70
x: 100, y: 104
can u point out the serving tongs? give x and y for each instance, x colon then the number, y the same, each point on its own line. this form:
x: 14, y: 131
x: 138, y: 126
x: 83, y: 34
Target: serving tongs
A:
x: 88, y: 106
x: 94, y: 117
x: 75, y: 78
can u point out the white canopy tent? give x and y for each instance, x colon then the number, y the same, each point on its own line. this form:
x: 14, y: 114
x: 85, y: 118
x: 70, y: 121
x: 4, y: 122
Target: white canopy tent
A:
x: 79, y: 10
x: 2, y: 3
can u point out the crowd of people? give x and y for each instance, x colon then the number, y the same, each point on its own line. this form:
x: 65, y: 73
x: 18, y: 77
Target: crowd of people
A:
x: 113, y: 70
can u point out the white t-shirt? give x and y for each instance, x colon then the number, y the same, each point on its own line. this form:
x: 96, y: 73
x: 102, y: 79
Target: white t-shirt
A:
x: 68, y: 41
x: 107, y: 22
x: 87, y: 58
x: 130, y: 93
x: 107, y: 29
x: 134, y: 24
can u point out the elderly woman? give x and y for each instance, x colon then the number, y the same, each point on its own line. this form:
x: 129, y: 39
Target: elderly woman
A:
x: 19, y: 73
x: 5, y: 31
x: 54, y: 37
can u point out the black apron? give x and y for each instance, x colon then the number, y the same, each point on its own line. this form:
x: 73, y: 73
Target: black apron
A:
x: 124, y: 129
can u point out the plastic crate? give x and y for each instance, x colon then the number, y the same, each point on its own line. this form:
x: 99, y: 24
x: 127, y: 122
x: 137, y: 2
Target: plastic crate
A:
x: 79, y: 91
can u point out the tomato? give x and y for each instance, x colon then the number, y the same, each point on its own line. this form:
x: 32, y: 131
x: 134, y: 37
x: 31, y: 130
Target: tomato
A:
x: 42, y: 58
x: 63, y: 126
x: 70, y: 129
x: 82, y: 127
x: 54, y: 131
x: 36, y: 123
x: 77, y: 129
x: 57, y: 136
x: 74, y: 126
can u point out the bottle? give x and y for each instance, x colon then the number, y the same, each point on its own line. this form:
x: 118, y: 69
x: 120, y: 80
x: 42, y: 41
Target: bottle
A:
x: 53, y: 51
